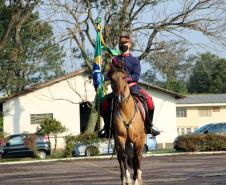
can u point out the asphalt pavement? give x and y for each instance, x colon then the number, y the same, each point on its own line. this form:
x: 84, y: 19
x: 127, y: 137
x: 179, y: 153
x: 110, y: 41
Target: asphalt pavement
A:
x: 193, y: 169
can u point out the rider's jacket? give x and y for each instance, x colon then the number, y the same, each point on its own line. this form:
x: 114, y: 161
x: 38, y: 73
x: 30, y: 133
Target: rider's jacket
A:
x: 131, y: 66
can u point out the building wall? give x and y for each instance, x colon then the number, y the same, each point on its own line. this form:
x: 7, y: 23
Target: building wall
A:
x: 195, y: 120
x: 164, y: 117
x: 62, y: 99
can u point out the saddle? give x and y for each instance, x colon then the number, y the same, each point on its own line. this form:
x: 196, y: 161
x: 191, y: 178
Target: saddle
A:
x: 142, y: 104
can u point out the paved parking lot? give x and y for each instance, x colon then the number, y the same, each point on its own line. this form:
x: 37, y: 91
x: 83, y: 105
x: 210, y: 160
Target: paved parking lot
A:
x: 170, y: 170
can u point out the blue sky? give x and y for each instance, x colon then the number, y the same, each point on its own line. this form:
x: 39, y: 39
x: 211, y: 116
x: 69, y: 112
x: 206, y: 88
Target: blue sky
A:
x: 196, y: 38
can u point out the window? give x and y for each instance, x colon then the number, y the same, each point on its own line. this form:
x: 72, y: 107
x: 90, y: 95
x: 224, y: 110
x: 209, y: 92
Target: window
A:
x: 39, y: 118
x: 18, y: 140
x: 205, y: 112
x: 188, y: 130
x: 181, y: 112
x: 217, y: 128
x: 182, y: 131
x: 216, y: 109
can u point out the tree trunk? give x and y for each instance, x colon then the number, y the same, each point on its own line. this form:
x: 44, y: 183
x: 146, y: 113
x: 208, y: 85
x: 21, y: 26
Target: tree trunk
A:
x: 55, y: 144
x: 92, y: 120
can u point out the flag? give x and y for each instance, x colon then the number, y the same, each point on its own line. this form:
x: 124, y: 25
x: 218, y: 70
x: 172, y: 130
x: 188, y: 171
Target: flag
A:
x: 97, y: 75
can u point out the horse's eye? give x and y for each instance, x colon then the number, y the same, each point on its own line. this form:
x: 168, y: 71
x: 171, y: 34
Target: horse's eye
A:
x: 123, y: 77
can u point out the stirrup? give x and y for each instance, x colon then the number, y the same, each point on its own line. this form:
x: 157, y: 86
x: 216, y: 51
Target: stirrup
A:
x: 103, y: 133
x: 152, y: 131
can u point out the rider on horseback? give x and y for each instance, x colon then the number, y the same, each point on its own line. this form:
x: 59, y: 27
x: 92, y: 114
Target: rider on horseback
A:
x: 133, y: 68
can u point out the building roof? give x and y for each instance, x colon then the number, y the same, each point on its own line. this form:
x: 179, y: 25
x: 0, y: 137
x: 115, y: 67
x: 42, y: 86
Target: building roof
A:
x: 203, y: 99
x: 175, y: 95
x: 78, y: 72
x: 45, y: 84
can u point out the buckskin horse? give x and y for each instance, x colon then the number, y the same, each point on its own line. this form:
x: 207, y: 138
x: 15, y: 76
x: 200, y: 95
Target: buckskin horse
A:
x: 129, y: 131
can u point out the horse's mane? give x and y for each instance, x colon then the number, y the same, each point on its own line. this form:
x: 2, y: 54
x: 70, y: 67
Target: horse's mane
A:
x: 118, y: 67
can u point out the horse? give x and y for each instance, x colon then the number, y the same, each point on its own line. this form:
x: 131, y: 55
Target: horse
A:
x: 129, y: 132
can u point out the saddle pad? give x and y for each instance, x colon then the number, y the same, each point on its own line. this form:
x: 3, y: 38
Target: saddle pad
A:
x: 141, y: 107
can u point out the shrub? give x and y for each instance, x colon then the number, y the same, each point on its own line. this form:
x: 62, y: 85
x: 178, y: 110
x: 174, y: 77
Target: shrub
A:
x: 30, y: 141
x: 2, y: 139
x: 200, y: 142
x: 92, y: 151
x: 85, y: 138
x: 69, y: 144
x: 54, y: 127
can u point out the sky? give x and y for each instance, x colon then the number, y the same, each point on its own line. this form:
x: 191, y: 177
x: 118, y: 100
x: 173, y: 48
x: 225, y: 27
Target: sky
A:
x: 196, y: 38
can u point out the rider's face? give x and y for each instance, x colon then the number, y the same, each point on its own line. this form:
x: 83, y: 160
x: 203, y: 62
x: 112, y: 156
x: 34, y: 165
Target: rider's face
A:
x: 125, y: 41
x: 124, y: 45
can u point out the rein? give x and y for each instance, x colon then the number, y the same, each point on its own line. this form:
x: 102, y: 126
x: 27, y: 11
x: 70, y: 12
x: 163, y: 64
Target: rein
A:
x: 126, y: 99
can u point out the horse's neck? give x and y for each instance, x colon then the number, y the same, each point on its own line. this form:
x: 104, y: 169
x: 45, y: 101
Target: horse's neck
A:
x: 127, y: 107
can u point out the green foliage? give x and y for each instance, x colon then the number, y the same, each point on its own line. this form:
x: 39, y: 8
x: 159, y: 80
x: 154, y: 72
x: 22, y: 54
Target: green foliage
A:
x: 91, y: 151
x: 2, y: 139
x: 69, y: 145
x: 177, y: 86
x: 30, y: 141
x: 1, y: 122
x: 39, y: 58
x: 52, y: 126
x: 209, y: 75
x: 200, y: 142
x: 87, y: 139
x: 170, y: 67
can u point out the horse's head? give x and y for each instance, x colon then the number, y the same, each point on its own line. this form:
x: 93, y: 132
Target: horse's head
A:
x: 119, y: 85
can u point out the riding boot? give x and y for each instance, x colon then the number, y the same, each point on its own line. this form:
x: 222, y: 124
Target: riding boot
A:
x: 149, y: 125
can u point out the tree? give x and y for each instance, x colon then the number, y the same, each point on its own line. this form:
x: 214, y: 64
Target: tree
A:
x: 30, y: 55
x: 209, y: 75
x: 14, y: 14
x: 177, y: 86
x: 170, y: 68
x: 54, y: 127
x: 150, y: 22
x: 1, y: 122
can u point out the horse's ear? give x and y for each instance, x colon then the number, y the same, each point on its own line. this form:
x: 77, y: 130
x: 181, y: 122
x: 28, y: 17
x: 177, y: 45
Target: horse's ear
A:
x: 109, y: 73
x: 121, y: 64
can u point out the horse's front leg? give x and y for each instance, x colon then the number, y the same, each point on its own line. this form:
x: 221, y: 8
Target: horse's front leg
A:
x: 122, y: 170
x: 137, y: 167
x: 137, y: 171
x: 122, y: 158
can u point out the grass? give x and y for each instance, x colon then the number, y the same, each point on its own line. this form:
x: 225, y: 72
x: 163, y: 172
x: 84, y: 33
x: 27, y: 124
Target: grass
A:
x: 58, y: 154
x: 163, y: 151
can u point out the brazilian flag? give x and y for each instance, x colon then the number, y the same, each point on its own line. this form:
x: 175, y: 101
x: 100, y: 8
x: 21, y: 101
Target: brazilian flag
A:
x: 97, y: 75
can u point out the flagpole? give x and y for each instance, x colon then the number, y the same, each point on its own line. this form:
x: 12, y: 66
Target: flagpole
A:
x: 97, y: 66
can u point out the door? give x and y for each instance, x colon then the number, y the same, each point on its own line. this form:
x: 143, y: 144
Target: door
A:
x: 15, y: 147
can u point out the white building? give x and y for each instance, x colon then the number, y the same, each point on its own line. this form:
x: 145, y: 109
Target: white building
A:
x: 65, y: 99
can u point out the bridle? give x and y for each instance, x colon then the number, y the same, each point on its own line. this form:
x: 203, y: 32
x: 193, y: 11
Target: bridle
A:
x: 117, y: 110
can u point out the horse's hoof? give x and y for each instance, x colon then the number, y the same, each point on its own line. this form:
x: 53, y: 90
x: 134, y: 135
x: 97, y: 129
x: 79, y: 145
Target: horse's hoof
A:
x: 138, y: 182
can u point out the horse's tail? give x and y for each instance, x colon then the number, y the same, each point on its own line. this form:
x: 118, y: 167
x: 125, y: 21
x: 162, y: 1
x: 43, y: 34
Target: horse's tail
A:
x: 130, y: 154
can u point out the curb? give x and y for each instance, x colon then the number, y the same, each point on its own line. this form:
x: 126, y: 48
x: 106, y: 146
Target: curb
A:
x: 110, y: 156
